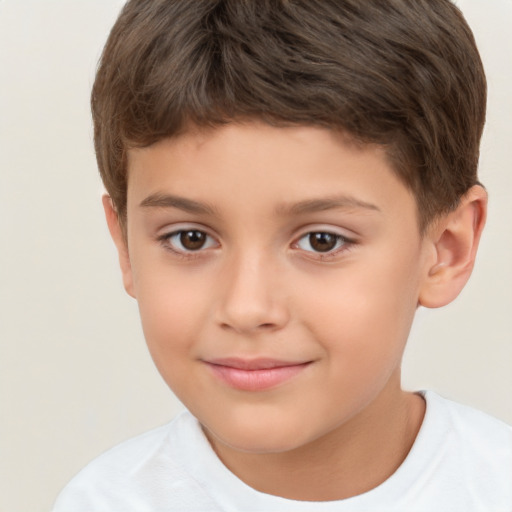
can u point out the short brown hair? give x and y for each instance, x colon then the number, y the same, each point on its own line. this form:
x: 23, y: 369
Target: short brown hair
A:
x: 405, y: 74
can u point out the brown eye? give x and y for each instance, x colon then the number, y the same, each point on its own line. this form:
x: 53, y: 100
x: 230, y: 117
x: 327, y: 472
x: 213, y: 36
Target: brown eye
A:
x: 192, y: 240
x: 187, y: 241
x: 323, y: 242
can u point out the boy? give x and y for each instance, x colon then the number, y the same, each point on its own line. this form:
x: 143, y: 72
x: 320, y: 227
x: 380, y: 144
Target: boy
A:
x: 288, y: 180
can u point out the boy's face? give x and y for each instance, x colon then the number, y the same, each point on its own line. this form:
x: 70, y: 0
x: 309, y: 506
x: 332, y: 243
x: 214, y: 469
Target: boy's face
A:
x: 277, y: 272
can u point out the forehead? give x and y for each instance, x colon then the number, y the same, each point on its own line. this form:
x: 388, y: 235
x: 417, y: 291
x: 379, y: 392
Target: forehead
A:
x: 254, y: 165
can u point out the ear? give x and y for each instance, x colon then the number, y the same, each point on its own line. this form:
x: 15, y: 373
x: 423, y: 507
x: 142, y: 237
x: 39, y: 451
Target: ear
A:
x: 117, y: 234
x: 454, y: 239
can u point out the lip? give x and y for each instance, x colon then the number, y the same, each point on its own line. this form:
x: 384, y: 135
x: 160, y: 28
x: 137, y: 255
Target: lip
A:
x: 255, y: 374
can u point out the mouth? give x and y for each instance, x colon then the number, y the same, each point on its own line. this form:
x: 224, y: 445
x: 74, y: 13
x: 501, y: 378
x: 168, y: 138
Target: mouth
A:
x: 255, y: 374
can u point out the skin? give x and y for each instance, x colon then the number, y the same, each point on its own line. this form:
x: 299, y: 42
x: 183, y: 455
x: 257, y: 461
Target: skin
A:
x: 258, y: 288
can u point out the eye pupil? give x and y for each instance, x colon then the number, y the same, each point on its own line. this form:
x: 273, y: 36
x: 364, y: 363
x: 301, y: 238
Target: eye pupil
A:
x: 322, y: 242
x: 193, y: 239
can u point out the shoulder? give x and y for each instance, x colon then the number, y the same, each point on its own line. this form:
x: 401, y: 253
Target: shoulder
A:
x: 469, y: 424
x: 472, y: 449
x: 143, y: 473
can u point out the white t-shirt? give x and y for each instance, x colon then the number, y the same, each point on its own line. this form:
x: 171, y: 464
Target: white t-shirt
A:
x: 461, y: 461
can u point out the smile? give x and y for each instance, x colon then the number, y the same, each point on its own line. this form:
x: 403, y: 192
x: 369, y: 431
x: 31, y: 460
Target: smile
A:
x: 255, y: 375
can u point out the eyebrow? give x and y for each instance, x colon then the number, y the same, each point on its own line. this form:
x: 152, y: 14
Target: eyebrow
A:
x: 159, y: 200
x: 326, y: 203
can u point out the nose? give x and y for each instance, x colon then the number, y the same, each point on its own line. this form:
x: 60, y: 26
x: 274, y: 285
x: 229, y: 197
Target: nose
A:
x: 252, y: 299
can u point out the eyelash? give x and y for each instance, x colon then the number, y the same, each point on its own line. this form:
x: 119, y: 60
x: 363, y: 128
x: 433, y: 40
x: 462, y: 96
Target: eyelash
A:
x: 342, y: 243
x: 166, y: 241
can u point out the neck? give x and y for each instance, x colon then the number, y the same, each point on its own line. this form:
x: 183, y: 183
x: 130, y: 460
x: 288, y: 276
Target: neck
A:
x: 350, y: 460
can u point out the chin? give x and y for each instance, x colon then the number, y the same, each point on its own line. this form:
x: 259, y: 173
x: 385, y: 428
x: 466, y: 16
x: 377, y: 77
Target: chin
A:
x: 256, y: 443
x: 257, y: 436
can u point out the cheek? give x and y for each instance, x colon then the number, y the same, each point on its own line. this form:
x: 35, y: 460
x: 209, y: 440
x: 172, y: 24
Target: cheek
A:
x: 363, y: 315
x: 170, y: 309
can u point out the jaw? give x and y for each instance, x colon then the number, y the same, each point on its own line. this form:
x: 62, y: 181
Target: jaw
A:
x: 349, y: 460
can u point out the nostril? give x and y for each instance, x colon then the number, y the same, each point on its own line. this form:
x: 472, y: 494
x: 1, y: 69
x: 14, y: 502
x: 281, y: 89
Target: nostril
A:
x: 265, y: 326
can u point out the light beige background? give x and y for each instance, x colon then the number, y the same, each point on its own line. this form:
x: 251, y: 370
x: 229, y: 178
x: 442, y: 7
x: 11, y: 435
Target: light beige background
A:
x: 75, y: 377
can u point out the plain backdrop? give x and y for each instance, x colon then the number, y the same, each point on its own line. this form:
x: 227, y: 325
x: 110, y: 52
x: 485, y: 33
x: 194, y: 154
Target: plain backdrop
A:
x: 75, y: 376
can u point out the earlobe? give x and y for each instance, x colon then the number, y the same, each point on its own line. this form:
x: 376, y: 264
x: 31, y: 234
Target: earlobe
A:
x: 454, y: 238
x: 116, y: 232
